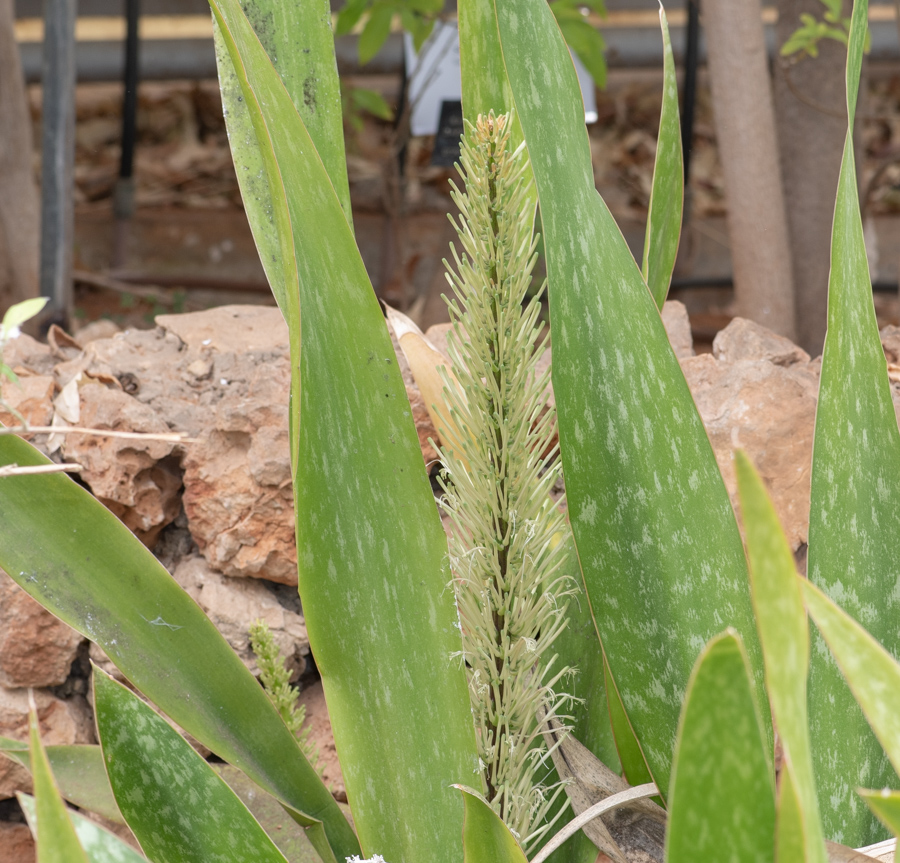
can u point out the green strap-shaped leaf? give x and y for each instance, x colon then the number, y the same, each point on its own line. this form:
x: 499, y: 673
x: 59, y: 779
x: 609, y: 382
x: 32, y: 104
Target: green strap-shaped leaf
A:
x: 371, y: 550
x: 79, y: 773
x: 299, y: 41
x: 784, y: 635
x: 99, y: 844
x: 486, y: 839
x: 173, y: 801
x: 634, y: 765
x: 54, y: 834
x: 485, y: 87
x: 869, y: 670
x: 790, y: 833
x: 855, y: 500
x: 657, y: 539
x: 722, y: 792
x: 79, y: 561
x: 667, y: 191
x: 886, y: 805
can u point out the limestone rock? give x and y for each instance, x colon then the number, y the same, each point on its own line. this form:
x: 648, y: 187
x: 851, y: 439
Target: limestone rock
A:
x: 60, y: 722
x: 103, y: 328
x: 230, y: 329
x: 890, y: 341
x: 16, y: 842
x: 746, y: 340
x: 768, y: 410
x: 24, y: 352
x: 136, y: 479
x: 232, y: 604
x: 32, y: 397
x: 238, y: 496
x: 36, y: 648
x: 678, y: 328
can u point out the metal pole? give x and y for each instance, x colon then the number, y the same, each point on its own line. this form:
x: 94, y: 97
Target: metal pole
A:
x: 123, y: 198
x: 58, y: 155
x: 689, y: 96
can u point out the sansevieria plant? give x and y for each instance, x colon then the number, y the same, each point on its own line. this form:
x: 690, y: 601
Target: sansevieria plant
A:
x: 685, y: 654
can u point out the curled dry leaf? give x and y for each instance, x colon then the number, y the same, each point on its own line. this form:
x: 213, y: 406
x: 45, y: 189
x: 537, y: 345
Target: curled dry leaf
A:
x: 636, y: 825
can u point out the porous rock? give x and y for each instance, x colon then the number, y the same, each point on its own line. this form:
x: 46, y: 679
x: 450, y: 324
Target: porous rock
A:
x: 32, y: 397
x: 16, y: 842
x: 136, y: 479
x: 769, y: 411
x: 238, y: 496
x: 747, y: 340
x: 232, y: 604
x: 61, y: 722
x: 36, y: 648
x: 678, y: 328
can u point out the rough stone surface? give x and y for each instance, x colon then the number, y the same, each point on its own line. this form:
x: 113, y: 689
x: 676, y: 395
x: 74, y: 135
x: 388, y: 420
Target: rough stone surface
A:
x: 238, y: 496
x: 32, y: 397
x: 234, y: 603
x: 138, y: 480
x: 16, y: 843
x: 36, y: 648
x: 60, y: 722
x: 678, y: 327
x: 768, y: 410
x: 746, y: 340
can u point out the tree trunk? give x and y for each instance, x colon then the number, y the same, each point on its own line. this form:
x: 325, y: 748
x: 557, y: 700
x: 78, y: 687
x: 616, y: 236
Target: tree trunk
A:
x: 812, y: 123
x: 19, y: 203
x: 745, y: 129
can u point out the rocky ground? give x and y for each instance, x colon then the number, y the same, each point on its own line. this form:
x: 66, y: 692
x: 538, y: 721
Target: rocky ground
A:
x: 217, y: 510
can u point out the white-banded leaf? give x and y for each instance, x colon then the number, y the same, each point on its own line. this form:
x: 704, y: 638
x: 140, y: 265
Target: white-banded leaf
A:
x: 99, y: 844
x: 659, y: 546
x: 372, y: 555
x: 784, y: 635
x: 174, y: 802
x: 722, y: 792
x: 667, y: 189
x: 854, y: 520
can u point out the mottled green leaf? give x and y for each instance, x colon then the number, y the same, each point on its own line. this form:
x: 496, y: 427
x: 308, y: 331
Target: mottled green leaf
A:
x: 790, y: 833
x: 99, y: 844
x: 784, y: 635
x: 78, y: 560
x: 290, y: 838
x: 372, y: 554
x: 661, y: 554
x: 722, y: 791
x: 486, y: 839
x: 53, y: 830
x: 634, y: 765
x: 869, y: 670
x: 886, y: 805
x: 173, y: 801
x: 79, y: 773
x: 855, y: 502
x: 667, y: 191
